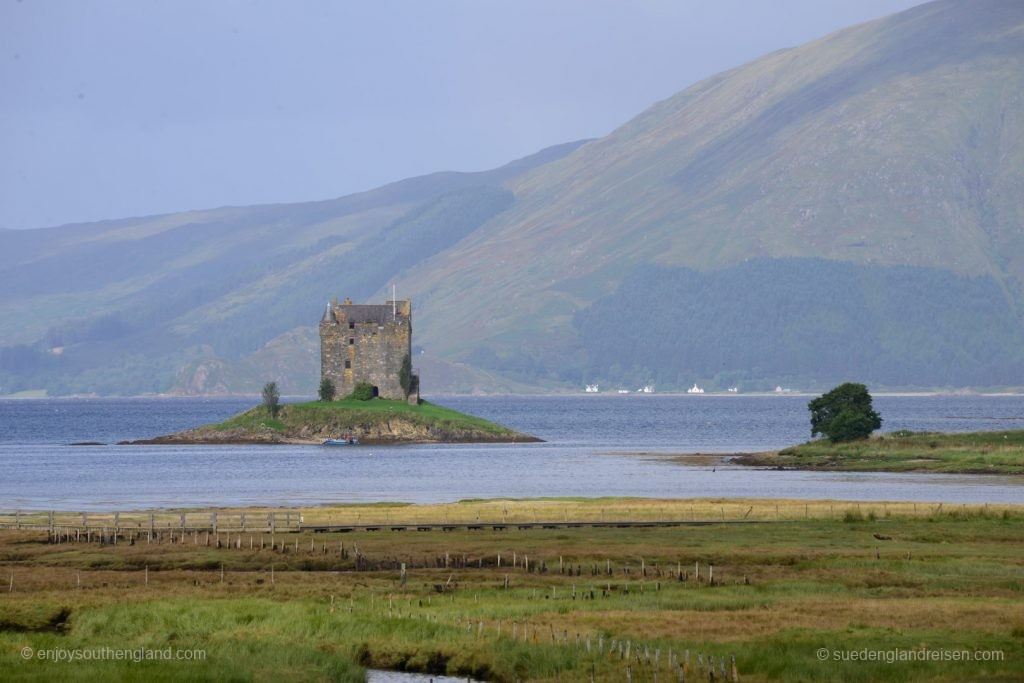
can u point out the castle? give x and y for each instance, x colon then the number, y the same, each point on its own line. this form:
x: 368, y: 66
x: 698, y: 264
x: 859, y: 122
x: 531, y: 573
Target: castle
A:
x: 367, y: 343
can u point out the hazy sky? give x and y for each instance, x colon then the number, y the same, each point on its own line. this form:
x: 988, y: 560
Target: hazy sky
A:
x: 124, y: 108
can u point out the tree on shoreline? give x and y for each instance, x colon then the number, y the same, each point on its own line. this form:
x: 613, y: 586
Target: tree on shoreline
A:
x: 271, y: 398
x: 844, y: 413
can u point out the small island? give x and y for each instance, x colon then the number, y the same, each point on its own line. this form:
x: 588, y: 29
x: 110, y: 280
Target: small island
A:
x: 904, y: 451
x: 375, y: 421
x: 846, y: 419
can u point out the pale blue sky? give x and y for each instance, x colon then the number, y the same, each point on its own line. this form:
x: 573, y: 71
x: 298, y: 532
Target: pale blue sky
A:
x: 124, y: 108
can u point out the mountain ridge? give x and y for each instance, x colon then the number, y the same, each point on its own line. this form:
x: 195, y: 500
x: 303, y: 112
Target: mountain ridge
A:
x: 896, y: 143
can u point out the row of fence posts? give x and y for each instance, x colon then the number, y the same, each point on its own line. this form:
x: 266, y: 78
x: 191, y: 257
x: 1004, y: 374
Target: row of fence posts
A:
x: 116, y: 524
x: 106, y: 535
x: 680, y: 664
x: 271, y: 516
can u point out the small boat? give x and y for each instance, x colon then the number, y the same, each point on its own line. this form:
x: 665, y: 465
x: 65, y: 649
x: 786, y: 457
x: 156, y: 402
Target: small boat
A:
x: 351, y: 441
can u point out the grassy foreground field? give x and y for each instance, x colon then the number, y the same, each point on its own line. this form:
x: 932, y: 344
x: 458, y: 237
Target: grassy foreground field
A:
x: 954, y: 453
x: 579, y: 603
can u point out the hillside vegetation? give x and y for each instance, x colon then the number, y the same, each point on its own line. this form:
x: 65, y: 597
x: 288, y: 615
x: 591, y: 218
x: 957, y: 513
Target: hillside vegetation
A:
x: 803, y: 321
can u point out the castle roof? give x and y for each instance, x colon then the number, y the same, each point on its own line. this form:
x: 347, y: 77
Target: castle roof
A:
x: 369, y: 313
x: 329, y: 315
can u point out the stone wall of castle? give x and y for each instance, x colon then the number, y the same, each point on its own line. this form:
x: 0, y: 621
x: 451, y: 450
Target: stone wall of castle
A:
x: 365, y: 343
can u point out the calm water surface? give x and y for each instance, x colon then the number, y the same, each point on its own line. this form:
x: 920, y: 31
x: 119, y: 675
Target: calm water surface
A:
x: 591, y: 449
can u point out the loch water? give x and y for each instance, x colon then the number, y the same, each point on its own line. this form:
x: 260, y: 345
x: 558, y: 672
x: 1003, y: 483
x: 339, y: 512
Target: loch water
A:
x: 595, y: 445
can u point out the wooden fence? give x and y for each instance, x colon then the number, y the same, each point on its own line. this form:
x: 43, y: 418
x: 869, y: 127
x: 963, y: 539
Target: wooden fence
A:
x: 153, y: 522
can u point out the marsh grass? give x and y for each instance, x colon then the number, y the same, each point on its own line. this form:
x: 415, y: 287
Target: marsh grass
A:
x: 947, y: 579
x: 999, y: 452
x: 537, y: 510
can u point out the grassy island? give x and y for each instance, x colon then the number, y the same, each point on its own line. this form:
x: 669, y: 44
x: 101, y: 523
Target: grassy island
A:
x: 374, y: 421
x: 954, y: 453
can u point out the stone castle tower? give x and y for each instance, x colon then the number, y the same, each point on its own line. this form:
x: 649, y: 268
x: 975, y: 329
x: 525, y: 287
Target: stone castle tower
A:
x: 366, y: 343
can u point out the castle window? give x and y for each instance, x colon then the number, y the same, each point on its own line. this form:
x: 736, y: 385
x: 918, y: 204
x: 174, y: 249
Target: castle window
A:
x: 348, y: 365
x: 351, y: 326
x: 351, y: 341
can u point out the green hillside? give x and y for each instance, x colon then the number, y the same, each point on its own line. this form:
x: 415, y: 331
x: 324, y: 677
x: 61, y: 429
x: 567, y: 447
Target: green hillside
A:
x: 896, y: 142
x: 803, y: 322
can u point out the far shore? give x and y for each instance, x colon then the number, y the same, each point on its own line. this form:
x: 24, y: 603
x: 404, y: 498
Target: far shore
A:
x: 964, y: 393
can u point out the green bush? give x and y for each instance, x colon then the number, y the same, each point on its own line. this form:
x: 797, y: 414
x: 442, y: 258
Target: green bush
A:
x: 362, y: 392
x: 327, y: 390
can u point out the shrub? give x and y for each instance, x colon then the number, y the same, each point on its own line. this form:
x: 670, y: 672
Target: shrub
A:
x: 362, y: 392
x: 327, y: 390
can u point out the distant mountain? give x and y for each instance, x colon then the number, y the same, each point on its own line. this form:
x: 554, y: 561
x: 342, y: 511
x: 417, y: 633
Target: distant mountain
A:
x: 898, y: 142
x: 846, y: 209
x: 221, y: 300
